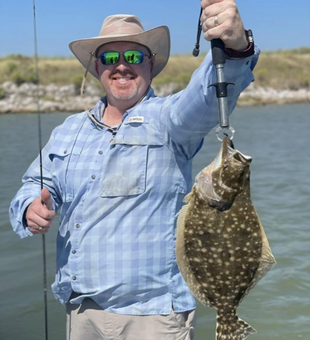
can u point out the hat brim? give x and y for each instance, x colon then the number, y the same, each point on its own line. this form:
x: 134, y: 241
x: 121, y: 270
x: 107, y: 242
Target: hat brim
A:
x: 157, y: 40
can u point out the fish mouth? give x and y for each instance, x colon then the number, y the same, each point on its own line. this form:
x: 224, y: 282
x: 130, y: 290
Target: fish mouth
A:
x: 211, y: 188
x: 228, y: 151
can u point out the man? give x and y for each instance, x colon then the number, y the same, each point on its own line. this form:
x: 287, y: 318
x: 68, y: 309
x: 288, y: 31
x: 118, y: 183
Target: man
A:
x: 119, y: 172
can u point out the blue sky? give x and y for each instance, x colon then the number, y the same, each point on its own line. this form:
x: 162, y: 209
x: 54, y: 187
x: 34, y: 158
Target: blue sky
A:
x: 276, y: 24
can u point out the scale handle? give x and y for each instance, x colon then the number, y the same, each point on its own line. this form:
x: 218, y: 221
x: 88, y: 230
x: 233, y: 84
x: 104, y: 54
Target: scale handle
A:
x: 219, y: 60
x: 218, y: 51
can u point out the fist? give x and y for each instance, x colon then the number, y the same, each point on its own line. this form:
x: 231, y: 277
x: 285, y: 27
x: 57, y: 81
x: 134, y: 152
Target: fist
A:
x: 221, y: 19
x: 40, y: 214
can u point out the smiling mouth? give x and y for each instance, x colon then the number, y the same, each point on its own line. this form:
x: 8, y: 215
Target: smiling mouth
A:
x: 122, y: 80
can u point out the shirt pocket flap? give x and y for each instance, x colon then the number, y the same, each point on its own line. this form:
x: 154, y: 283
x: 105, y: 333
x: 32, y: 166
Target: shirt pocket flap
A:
x: 62, y: 169
x: 135, y: 132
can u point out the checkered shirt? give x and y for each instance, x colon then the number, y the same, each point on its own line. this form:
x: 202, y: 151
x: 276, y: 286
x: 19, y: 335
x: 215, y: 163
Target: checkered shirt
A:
x: 119, y: 191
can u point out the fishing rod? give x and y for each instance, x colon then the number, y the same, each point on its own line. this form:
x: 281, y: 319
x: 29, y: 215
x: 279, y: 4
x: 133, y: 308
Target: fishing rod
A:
x: 219, y: 60
x: 41, y: 166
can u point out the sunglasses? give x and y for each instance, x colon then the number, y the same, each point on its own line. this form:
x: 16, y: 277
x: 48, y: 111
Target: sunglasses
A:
x: 130, y: 56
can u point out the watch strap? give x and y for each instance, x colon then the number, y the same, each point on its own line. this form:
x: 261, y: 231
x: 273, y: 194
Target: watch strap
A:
x: 233, y: 54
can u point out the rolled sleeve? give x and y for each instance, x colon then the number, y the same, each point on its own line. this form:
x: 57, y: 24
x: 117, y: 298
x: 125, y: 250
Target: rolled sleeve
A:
x: 16, y: 212
x: 31, y: 190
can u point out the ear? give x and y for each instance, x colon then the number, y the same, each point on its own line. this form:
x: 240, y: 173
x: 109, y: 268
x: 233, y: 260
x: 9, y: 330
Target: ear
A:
x: 97, y: 67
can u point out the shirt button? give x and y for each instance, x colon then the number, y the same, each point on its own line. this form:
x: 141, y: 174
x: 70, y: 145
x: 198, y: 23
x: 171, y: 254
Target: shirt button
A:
x: 100, y: 152
x: 93, y: 176
x: 73, y: 251
x: 74, y: 278
x: 77, y: 226
x: 65, y: 151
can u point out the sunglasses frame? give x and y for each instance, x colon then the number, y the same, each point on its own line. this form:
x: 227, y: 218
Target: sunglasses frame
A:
x: 101, y: 57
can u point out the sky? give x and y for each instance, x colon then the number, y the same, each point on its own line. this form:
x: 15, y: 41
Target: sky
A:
x: 276, y: 24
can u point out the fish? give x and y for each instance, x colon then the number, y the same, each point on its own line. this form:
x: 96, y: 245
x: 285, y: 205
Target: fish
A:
x: 221, y: 247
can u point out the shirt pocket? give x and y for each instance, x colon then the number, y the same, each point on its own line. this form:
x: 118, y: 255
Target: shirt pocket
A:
x: 126, y: 163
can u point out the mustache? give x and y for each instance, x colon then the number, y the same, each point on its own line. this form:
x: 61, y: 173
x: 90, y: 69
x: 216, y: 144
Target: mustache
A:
x: 123, y: 74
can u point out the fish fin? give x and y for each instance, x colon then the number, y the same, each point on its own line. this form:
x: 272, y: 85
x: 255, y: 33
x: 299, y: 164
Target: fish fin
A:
x: 266, y: 263
x: 187, y: 197
x: 266, y: 251
x: 183, y: 261
x: 236, y: 330
x: 180, y: 231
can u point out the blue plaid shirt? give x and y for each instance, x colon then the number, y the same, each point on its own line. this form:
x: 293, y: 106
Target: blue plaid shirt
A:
x: 119, y: 191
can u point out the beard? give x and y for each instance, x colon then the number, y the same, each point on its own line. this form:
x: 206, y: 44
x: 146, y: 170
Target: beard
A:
x: 124, y: 92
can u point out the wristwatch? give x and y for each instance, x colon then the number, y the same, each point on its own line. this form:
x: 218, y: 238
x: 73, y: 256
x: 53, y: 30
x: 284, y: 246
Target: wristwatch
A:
x: 232, y: 54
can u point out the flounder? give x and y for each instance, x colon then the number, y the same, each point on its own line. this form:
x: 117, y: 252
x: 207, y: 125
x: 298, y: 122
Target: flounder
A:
x: 221, y: 247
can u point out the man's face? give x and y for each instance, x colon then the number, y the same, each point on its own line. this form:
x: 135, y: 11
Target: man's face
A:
x: 122, y: 81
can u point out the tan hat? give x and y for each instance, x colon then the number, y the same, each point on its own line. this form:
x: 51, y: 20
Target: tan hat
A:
x: 123, y: 27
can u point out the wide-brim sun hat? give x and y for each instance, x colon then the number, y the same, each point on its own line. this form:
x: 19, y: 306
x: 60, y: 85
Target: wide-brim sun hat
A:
x: 127, y: 28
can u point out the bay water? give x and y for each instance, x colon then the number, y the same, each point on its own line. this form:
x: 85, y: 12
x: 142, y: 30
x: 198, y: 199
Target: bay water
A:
x: 278, y: 140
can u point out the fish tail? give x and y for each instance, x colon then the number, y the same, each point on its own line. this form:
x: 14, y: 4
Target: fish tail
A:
x: 235, y: 329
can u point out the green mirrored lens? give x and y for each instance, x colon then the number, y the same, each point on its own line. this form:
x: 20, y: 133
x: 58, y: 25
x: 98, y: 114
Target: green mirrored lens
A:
x: 109, y: 58
x: 133, y: 57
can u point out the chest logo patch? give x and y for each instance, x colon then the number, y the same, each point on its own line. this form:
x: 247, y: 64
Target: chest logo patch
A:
x: 138, y: 119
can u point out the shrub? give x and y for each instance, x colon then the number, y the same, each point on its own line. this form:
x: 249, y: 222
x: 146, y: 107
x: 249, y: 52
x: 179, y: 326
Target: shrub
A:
x: 18, y: 78
x: 11, y: 66
x: 77, y: 82
x: 31, y: 76
x: 2, y: 93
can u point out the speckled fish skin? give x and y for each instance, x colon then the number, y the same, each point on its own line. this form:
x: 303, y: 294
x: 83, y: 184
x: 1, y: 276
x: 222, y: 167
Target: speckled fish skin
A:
x: 221, y: 248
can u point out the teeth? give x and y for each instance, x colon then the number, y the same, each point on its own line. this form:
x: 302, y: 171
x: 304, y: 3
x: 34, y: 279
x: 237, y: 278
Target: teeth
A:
x: 123, y: 79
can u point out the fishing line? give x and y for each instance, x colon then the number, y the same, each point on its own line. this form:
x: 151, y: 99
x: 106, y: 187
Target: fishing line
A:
x: 40, y: 157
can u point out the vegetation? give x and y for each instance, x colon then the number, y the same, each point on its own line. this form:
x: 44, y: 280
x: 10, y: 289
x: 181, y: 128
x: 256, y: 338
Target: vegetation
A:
x: 283, y: 69
x: 2, y: 93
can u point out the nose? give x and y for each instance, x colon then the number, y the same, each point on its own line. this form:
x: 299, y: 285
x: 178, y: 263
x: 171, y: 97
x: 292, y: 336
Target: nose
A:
x: 121, y: 64
x: 121, y: 60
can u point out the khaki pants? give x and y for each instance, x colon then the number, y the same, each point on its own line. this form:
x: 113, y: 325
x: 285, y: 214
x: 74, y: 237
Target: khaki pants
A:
x: 90, y: 322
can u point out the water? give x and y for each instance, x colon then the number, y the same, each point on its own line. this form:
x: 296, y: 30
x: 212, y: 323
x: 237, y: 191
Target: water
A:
x: 277, y: 138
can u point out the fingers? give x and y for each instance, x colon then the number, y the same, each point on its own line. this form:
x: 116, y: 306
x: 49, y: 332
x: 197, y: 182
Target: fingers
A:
x: 39, y: 230
x: 216, y: 7
x: 40, y: 216
x: 207, y: 3
x: 221, y: 19
x: 211, y: 25
x: 220, y: 25
x: 226, y: 13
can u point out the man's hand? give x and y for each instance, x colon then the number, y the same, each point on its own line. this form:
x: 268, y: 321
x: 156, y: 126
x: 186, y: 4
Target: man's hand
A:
x: 40, y: 216
x: 221, y: 19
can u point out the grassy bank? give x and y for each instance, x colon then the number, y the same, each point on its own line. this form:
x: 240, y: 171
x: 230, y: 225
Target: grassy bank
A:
x: 285, y: 69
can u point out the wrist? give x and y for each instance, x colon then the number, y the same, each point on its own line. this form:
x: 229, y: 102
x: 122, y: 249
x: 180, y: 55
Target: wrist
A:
x: 24, y: 220
x: 248, y: 51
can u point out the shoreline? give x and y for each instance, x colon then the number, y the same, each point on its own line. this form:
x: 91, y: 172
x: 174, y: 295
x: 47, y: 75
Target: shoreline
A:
x: 22, y: 99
